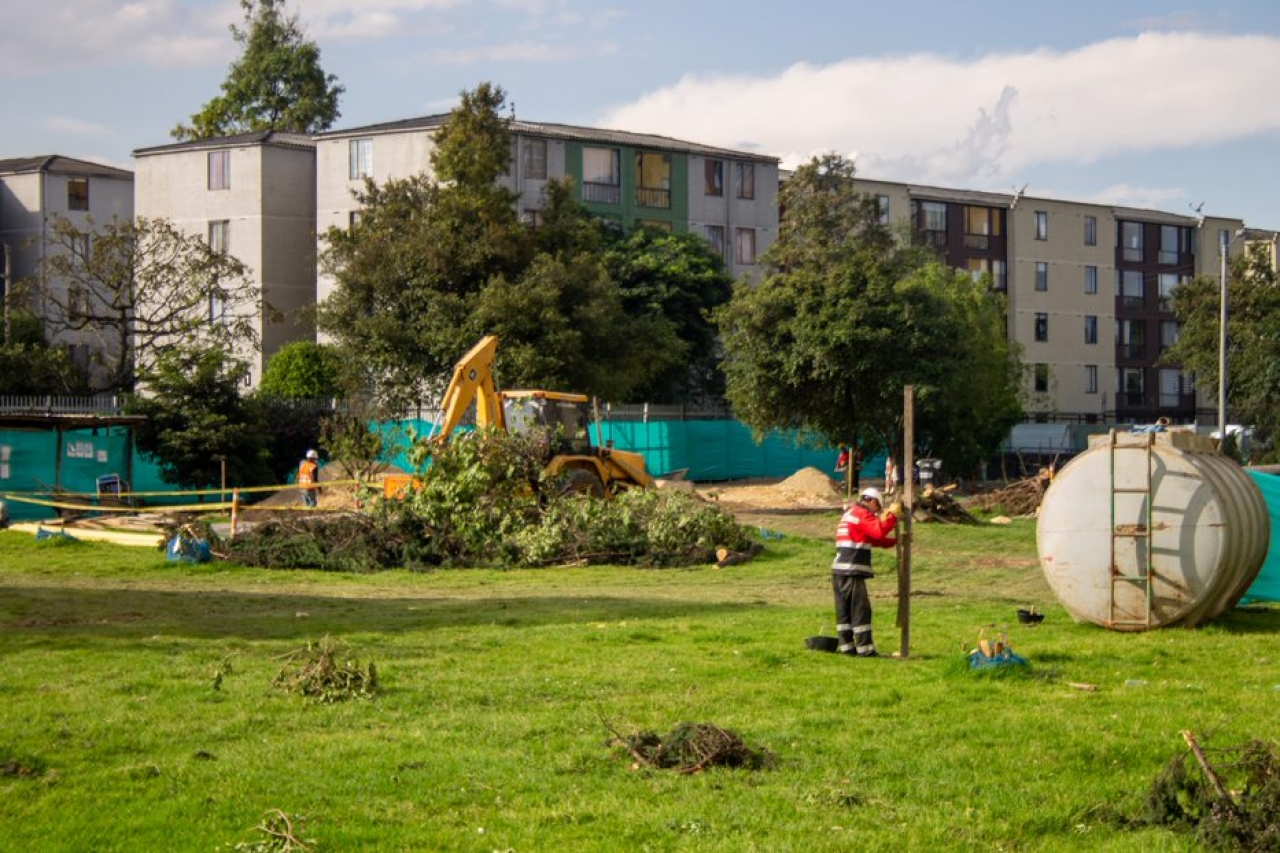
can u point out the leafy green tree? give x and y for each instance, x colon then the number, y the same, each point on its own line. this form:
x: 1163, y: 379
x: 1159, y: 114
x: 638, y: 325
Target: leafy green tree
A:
x: 28, y: 365
x: 681, y: 278
x: 846, y: 316
x: 134, y: 288
x: 1253, y: 342
x: 276, y: 84
x: 197, y: 419
x: 437, y: 262
x: 303, y: 370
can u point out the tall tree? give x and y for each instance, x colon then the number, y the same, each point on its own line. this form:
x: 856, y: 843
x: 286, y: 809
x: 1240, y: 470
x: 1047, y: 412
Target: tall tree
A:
x: 197, y: 420
x: 136, y: 287
x: 1253, y: 342
x: 436, y: 262
x: 846, y: 315
x: 276, y: 84
x: 28, y: 365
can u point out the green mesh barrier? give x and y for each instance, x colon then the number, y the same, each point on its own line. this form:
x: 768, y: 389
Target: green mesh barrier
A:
x: 1266, y: 587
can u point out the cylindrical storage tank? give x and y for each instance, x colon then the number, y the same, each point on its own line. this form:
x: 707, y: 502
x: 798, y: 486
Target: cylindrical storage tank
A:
x: 1151, y: 530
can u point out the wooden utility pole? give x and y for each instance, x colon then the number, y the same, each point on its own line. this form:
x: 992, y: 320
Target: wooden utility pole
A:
x: 904, y: 533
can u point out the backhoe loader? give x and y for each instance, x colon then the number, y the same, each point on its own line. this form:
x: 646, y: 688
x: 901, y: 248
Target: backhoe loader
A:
x: 583, y: 467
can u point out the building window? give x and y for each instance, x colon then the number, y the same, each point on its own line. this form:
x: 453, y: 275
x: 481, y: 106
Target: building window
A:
x: 713, y: 177
x: 1042, y: 327
x: 219, y: 170
x: 715, y: 236
x: 1131, y: 241
x: 1090, y: 279
x: 931, y: 219
x: 535, y: 159
x: 999, y: 275
x: 1091, y: 230
x: 77, y: 194
x: 532, y: 217
x: 1091, y: 379
x: 359, y: 159
x: 80, y: 246
x: 744, y: 246
x: 1041, y: 378
x: 77, y: 303
x: 1133, y: 338
x: 1130, y: 288
x: 746, y: 175
x: 882, y: 204
x: 653, y: 180
x: 354, y: 217
x: 79, y: 356
x: 1042, y: 276
x: 1169, y: 334
x: 1090, y: 329
x: 219, y: 232
x: 1170, y: 388
x: 1042, y: 225
x: 980, y: 225
x: 601, y: 175
x: 1168, y: 284
x: 1133, y: 386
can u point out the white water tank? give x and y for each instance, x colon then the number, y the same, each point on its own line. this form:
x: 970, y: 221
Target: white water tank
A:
x: 1151, y: 530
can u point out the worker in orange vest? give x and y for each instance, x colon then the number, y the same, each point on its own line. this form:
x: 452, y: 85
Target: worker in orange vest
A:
x: 309, y: 478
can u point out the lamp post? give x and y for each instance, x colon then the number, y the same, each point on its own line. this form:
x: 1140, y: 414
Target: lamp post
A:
x: 1222, y: 337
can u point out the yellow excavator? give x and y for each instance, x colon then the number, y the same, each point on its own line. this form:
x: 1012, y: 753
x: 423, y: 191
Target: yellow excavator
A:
x: 596, y: 469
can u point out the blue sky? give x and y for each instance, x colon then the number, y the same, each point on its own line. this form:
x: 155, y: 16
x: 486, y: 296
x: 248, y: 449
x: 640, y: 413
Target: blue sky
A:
x: 1161, y: 105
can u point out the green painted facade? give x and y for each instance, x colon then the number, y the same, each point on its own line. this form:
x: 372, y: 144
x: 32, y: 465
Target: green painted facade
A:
x: 628, y: 211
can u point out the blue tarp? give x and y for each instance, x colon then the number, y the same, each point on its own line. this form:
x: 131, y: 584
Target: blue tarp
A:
x: 1266, y: 587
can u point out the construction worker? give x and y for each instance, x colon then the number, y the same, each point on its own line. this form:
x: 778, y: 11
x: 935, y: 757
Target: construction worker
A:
x: 309, y: 478
x: 861, y: 528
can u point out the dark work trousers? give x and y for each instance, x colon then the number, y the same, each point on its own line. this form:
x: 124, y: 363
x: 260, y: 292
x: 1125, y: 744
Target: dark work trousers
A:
x: 853, y: 615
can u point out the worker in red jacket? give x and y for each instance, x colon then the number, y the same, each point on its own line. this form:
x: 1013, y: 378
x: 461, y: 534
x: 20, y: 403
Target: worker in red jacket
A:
x: 861, y: 528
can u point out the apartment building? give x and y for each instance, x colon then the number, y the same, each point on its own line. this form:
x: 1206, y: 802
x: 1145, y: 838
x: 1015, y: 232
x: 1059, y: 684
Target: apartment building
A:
x: 1088, y: 291
x: 253, y: 196
x: 728, y: 197
x: 35, y: 190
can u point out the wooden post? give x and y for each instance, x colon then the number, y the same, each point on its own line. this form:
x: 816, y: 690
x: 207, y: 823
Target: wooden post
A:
x: 235, y: 506
x: 904, y: 533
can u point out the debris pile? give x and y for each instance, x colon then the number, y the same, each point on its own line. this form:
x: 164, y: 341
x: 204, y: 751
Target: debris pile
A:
x: 317, y: 671
x: 938, y: 505
x: 1021, y: 497
x: 693, y: 747
x: 1233, y: 804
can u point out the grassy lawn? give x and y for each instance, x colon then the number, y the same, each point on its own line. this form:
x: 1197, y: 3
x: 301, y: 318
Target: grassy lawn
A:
x: 499, y: 689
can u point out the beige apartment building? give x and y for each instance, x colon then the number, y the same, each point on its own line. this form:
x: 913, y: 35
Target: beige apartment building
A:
x: 728, y: 197
x: 1087, y: 288
x: 33, y: 192
x: 253, y: 196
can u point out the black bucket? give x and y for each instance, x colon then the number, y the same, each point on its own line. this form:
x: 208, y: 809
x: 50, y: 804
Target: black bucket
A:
x: 822, y: 644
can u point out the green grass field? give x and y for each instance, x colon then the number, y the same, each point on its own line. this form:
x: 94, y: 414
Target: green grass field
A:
x: 138, y: 712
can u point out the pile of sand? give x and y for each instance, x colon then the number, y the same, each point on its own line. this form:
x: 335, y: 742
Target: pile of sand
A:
x: 808, y: 488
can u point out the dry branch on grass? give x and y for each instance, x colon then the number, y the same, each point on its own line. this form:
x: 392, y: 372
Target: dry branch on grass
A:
x: 938, y: 505
x: 1021, y: 497
x: 317, y: 671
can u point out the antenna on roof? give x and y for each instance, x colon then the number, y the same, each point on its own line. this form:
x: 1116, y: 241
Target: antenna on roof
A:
x: 1017, y: 195
x: 1196, y: 208
x: 513, y: 111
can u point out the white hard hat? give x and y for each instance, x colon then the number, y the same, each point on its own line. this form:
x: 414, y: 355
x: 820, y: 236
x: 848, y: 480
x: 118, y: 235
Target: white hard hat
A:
x: 311, y: 454
x: 871, y: 492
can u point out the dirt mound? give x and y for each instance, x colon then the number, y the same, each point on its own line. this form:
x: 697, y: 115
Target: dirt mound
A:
x: 808, y: 488
x: 810, y: 481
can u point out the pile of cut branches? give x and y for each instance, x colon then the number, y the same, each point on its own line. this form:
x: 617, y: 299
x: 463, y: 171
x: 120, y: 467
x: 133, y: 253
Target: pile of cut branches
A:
x: 693, y: 747
x: 1232, y: 803
x: 1021, y: 497
x: 938, y: 505
x: 317, y: 670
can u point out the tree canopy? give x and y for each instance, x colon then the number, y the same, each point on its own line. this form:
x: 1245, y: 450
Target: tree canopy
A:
x: 846, y: 316
x: 436, y: 262
x: 1253, y: 342
x: 276, y: 84
x: 302, y: 370
x: 136, y: 287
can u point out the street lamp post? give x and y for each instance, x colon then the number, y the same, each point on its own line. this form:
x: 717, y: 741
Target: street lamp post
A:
x: 1222, y: 337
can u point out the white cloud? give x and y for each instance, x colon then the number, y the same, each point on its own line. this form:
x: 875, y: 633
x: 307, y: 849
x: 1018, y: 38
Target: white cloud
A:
x: 74, y: 126
x: 983, y: 122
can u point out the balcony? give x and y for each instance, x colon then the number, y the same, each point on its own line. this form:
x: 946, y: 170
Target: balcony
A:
x: 601, y: 193
x: 653, y: 198
x: 979, y: 242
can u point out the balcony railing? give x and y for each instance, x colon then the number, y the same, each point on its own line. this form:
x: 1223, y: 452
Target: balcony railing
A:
x: 601, y: 193
x: 981, y: 242
x: 655, y: 198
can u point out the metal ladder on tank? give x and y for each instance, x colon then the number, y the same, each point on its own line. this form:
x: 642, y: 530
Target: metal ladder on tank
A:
x: 1132, y: 533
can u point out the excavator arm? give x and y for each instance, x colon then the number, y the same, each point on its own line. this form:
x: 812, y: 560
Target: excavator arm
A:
x: 472, y: 381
